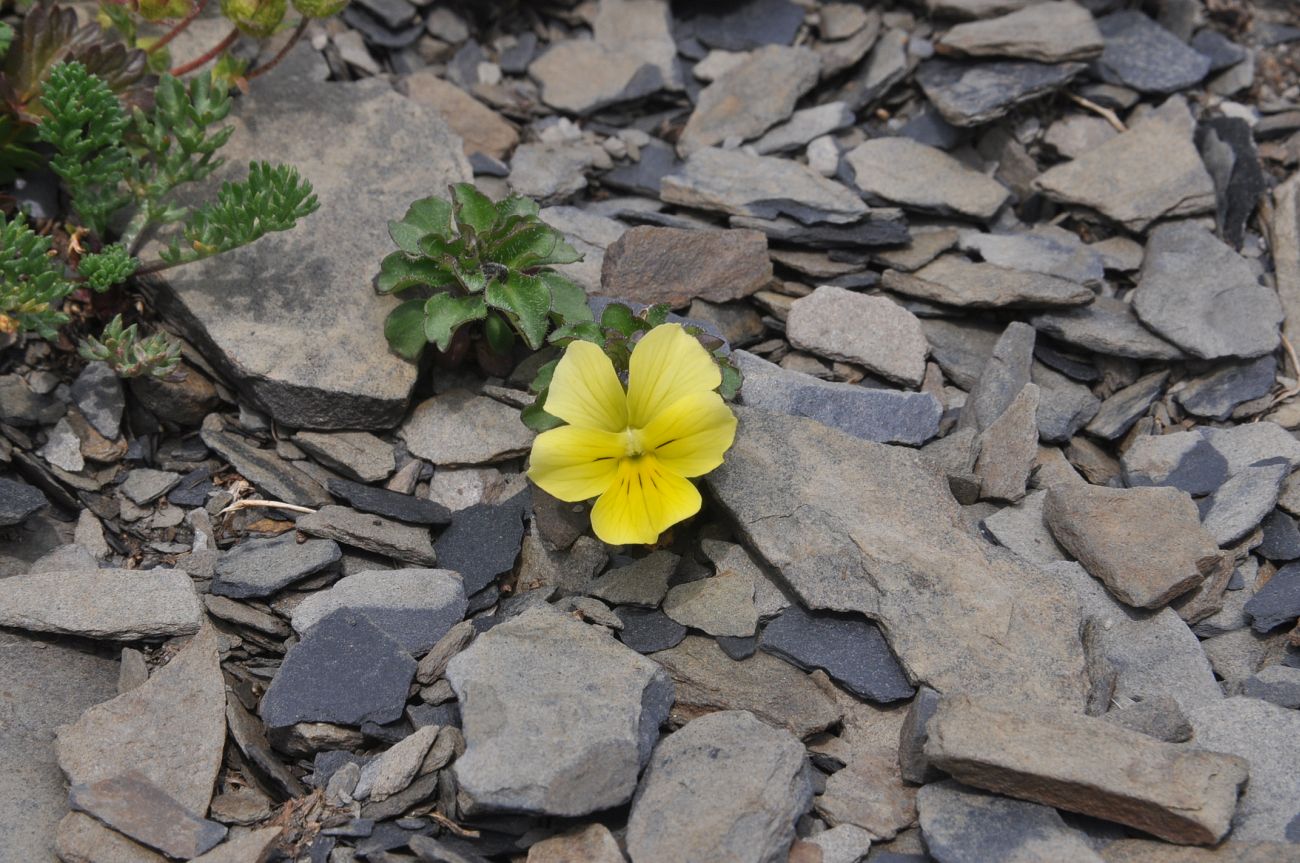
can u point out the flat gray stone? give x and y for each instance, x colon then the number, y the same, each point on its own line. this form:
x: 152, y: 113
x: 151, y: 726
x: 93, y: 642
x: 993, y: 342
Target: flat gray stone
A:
x: 1195, y: 291
x: 459, y: 428
x: 924, y: 178
x: 414, y: 607
x: 1064, y: 406
x: 137, y: 808
x: 882, y: 415
x: 1105, y: 326
x: 812, y: 501
x: 550, y: 173
x: 358, y: 456
x: 406, y: 542
x: 18, y: 500
x: 1184, y: 460
x: 97, y: 393
x: 708, y: 680
x: 847, y: 647
x: 62, y: 448
x: 874, y: 332
x: 145, y: 485
x: 1268, y: 737
x: 721, y: 605
x: 730, y: 787
x: 344, y: 376
x: 1047, y: 250
x: 1009, y: 448
x: 1146, y: 544
x: 1004, y: 373
x: 1141, y: 54
x: 970, y: 94
x: 764, y: 187
x: 1046, y: 32
x: 1238, y: 506
x: 643, y: 582
x: 115, y: 604
x: 275, y: 477
x: 344, y: 671
x: 1216, y: 394
x: 1021, y: 528
x: 868, y: 792
x: 672, y: 265
x: 964, y: 825
x: 558, y: 717
x: 746, y: 101
x: 260, y: 567
x: 1076, y: 134
x: 1276, y: 684
x: 47, y: 685
x: 955, y: 281
x: 1152, y: 171
x: 961, y: 347
x: 804, y: 126
x: 1124, y: 407
x: 1248, y: 443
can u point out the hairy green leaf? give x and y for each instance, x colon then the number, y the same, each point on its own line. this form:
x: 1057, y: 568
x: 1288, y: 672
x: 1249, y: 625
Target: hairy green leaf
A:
x: 425, y: 216
x: 473, y: 208
x: 535, y: 416
x: 568, y: 299
x: 619, y: 318
x: 404, y: 329
x: 497, y: 330
x: 527, y: 302
x: 444, y: 314
x: 398, y: 272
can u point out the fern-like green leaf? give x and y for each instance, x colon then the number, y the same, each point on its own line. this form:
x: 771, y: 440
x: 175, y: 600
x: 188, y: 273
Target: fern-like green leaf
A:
x: 108, y: 267
x: 32, y: 284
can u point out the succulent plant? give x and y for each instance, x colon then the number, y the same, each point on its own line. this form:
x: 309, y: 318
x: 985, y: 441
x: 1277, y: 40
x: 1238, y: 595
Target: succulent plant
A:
x: 130, y: 355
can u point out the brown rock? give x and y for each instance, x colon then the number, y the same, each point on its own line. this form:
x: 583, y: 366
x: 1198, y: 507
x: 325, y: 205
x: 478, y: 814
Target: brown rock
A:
x: 482, y: 129
x: 675, y: 265
x: 591, y: 844
x: 773, y: 690
x: 1150, y: 851
x: 874, y: 331
x: 251, y: 847
x: 870, y: 793
x: 1146, y: 544
x: 1087, y: 765
x: 953, y: 280
x: 184, y: 402
x: 82, y: 839
x: 137, y: 808
x: 1009, y: 448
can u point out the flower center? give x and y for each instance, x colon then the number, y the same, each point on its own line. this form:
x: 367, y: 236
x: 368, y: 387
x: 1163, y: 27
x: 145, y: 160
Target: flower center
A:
x: 633, y: 445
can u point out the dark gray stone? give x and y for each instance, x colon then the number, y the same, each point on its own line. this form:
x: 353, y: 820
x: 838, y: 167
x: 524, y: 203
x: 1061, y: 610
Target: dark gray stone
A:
x: 969, y: 94
x: 1064, y: 406
x: 882, y: 226
x: 405, y: 542
x: 645, y: 175
x: 345, y: 671
x: 1123, y: 408
x: 18, y: 500
x: 883, y: 415
x: 393, y: 14
x: 276, y: 477
x: 1221, y: 50
x: 848, y: 648
x: 21, y: 406
x: 1277, y: 602
x: 1279, y: 684
x: 742, y: 25
x: 1141, y: 54
x: 961, y: 346
x: 648, y: 630
x: 1238, y: 506
x: 260, y: 567
x: 738, y: 647
x: 389, y: 504
x: 483, y: 541
x: 964, y: 825
x: 1227, y: 146
x: 1003, y: 376
x: 1106, y: 326
x: 145, y: 485
x: 1159, y: 716
x: 414, y: 607
x: 1281, y: 537
x: 1214, y: 395
x: 97, y: 393
x: 915, y: 767
x: 192, y: 489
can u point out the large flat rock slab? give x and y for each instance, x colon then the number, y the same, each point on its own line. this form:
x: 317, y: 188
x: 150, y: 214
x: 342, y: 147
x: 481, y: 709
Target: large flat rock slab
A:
x: 293, y: 319
x: 857, y: 526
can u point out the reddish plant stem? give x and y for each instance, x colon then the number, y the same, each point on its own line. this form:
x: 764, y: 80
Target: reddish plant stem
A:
x: 208, y: 55
x: 180, y: 26
x: 282, y: 53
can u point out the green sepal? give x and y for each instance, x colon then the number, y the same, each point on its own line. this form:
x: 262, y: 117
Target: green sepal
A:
x: 398, y: 272
x: 619, y: 318
x: 527, y: 302
x: 500, y: 337
x: 444, y: 314
x: 404, y: 329
x: 731, y: 380
x: 535, y: 416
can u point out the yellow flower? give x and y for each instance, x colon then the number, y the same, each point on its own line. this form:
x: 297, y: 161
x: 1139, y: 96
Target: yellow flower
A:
x: 634, y: 450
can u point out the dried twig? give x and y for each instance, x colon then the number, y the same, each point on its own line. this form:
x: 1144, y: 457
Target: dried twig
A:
x: 248, y: 503
x: 1295, y: 370
x: 1105, y: 113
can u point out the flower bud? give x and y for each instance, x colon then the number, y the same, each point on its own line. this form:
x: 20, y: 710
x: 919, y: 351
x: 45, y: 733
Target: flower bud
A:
x: 256, y: 18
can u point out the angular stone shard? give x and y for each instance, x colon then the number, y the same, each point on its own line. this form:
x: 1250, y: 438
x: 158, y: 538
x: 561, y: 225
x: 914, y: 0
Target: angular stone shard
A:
x: 262, y: 566
x: 415, y: 607
x: 406, y: 542
x: 1146, y: 544
x: 862, y: 527
x: 749, y: 99
x: 459, y: 428
x: 102, y: 603
x: 924, y: 178
x: 674, y: 265
x: 953, y: 280
x: 137, y: 808
x: 723, y: 787
x: 1047, y: 32
x: 1087, y: 765
x: 873, y: 331
x: 558, y: 717
x: 248, y: 309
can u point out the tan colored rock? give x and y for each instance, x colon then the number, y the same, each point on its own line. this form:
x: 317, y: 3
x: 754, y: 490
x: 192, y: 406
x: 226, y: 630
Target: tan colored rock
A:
x: 873, y: 331
x: 708, y: 680
x: 251, y: 847
x: 1150, y: 851
x: 747, y: 100
x: 923, y: 177
x: 1046, y: 32
x: 1087, y: 765
x: 869, y: 792
x: 102, y: 603
x: 482, y: 129
x: 591, y: 844
x: 955, y: 281
x: 1009, y: 448
x: 674, y: 265
x: 1145, y: 544
x: 81, y: 839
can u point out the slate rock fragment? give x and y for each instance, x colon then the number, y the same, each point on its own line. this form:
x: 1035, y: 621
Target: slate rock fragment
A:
x: 261, y: 566
x: 850, y: 649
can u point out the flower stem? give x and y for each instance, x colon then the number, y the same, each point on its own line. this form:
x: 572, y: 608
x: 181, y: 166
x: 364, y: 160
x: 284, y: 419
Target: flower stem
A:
x: 282, y: 53
x: 208, y: 55
x: 180, y: 26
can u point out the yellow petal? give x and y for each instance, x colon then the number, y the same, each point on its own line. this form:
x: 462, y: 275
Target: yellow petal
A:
x: 644, y: 501
x: 573, y: 463
x: 585, y: 390
x: 690, y: 436
x: 667, y: 365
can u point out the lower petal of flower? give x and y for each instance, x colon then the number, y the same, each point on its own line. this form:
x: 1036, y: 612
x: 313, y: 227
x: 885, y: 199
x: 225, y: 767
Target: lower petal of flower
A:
x: 644, y: 500
x: 575, y: 464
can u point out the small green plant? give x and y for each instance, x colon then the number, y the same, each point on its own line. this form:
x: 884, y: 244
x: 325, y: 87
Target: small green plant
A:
x: 617, y: 333
x: 488, y: 267
x: 130, y: 355
x: 118, y: 167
